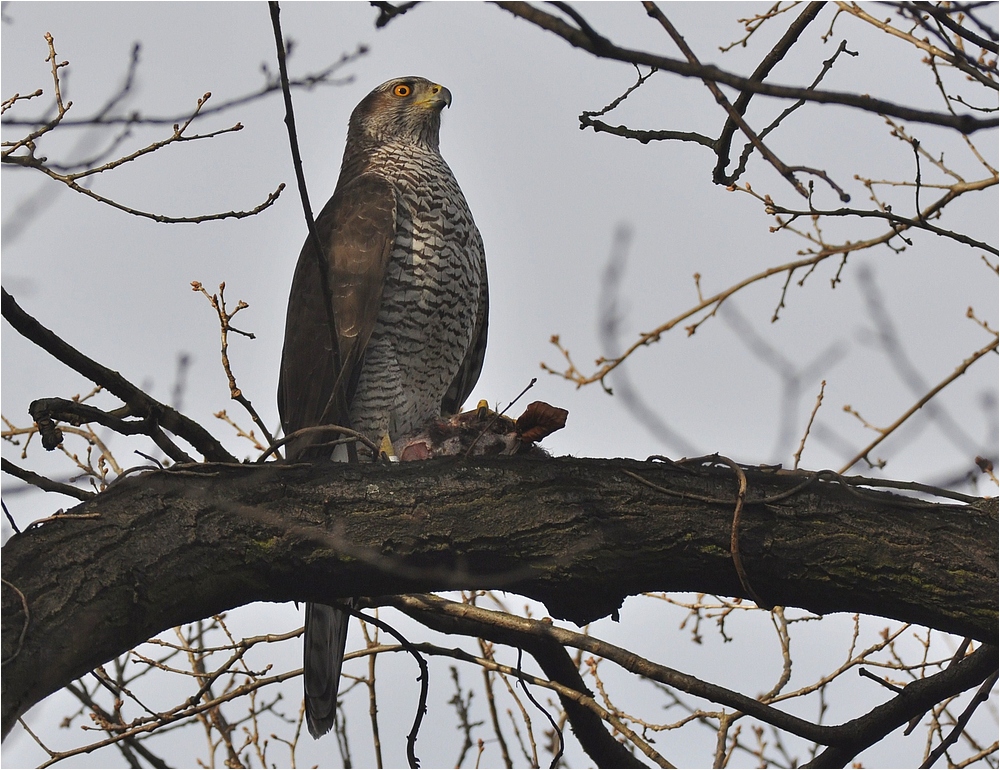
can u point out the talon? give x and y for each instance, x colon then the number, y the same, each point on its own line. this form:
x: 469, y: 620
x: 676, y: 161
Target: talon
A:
x: 386, y: 449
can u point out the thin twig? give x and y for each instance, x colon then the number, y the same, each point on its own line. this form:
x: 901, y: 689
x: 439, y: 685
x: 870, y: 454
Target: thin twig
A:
x: 225, y: 326
x: 884, y: 433
x: 812, y: 416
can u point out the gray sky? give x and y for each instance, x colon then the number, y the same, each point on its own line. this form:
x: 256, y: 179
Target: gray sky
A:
x: 547, y: 198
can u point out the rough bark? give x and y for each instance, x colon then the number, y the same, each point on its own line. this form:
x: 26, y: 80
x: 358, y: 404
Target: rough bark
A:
x: 169, y: 547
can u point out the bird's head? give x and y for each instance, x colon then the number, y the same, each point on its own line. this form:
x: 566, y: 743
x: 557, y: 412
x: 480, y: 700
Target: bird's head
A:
x: 407, y: 108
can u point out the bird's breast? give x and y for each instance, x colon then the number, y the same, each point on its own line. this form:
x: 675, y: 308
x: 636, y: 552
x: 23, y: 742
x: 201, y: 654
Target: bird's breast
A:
x: 430, y: 300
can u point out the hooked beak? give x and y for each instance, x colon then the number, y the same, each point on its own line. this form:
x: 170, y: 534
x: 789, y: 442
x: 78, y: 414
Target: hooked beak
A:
x: 438, y: 97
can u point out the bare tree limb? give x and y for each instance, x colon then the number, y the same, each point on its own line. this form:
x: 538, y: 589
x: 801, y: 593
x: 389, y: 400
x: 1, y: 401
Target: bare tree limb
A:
x: 547, y: 650
x: 46, y: 411
x: 137, y: 403
x: 966, y: 124
x: 103, y: 117
x: 768, y: 63
x: 533, y: 635
x: 43, y: 483
x: 172, y: 546
x: 941, y: 14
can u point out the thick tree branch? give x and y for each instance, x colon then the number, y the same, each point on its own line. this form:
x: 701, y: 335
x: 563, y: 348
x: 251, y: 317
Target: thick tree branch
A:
x: 169, y: 547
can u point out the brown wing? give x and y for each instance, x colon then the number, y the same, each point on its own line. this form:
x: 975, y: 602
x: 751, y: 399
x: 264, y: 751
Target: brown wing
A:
x: 357, y: 229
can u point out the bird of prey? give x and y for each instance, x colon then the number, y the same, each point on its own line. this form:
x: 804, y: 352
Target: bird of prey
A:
x: 395, y: 336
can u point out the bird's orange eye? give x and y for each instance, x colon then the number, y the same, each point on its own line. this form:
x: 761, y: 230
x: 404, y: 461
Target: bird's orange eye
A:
x: 402, y: 90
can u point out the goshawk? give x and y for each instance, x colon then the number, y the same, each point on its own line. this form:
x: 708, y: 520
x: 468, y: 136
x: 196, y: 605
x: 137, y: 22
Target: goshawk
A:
x: 407, y: 296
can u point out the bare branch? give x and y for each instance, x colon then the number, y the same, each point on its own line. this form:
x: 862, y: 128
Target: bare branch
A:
x: 43, y: 483
x: 884, y: 433
x: 137, y: 402
x: 273, y: 85
x: 225, y: 317
x: 966, y: 124
x: 31, y: 160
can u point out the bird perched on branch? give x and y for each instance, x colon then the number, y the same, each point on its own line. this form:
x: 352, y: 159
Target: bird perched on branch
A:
x: 386, y: 322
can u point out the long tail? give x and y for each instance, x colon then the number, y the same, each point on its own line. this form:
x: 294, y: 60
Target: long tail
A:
x: 323, y: 656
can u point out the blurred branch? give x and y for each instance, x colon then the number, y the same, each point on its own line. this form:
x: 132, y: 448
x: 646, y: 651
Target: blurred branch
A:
x: 607, y: 365
x: 712, y: 304
x: 812, y: 416
x: 609, y: 322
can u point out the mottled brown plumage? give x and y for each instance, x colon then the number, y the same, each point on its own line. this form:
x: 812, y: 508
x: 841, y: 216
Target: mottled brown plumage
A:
x: 408, y: 298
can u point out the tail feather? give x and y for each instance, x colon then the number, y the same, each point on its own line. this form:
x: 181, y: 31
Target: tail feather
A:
x: 323, y: 656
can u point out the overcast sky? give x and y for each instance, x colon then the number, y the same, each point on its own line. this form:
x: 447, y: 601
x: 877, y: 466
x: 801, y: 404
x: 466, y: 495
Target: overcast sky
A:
x: 548, y: 199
